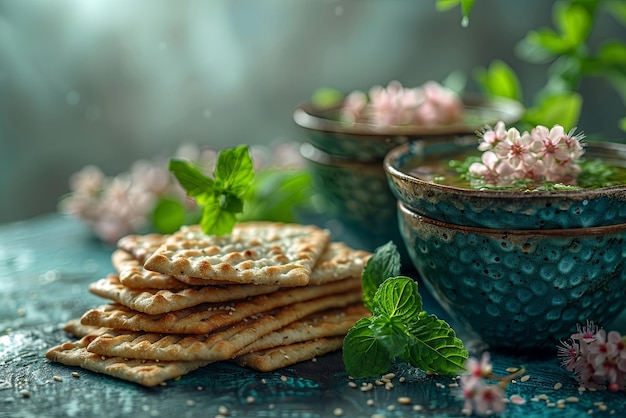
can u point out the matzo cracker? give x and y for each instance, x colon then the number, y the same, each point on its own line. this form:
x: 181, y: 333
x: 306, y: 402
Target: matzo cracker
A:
x: 283, y: 356
x: 143, y: 372
x: 255, y: 252
x: 220, y: 345
x: 208, y: 317
x: 155, y: 302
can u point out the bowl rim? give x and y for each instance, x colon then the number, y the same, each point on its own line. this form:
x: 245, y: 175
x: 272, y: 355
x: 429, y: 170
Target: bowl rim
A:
x: 590, y: 231
x: 391, y: 169
x: 308, y: 116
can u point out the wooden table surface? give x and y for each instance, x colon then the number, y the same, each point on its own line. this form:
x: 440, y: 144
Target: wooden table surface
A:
x: 45, y: 266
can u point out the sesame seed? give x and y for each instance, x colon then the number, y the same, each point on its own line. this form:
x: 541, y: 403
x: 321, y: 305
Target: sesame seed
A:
x: 402, y: 379
x: 418, y: 408
x: 352, y: 384
x: 389, y: 386
x: 190, y: 402
x: 511, y: 369
x: 337, y: 412
x: 370, y: 402
x: 57, y: 378
x: 404, y: 400
x: 517, y: 400
x: 391, y: 408
x: 250, y: 399
x: 75, y: 374
x: 25, y: 393
x: 524, y: 378
x: 389, y: 376
x: 222, y: 410
x: 558, y: 385
x: 283, y: 378
x: 572, y: 399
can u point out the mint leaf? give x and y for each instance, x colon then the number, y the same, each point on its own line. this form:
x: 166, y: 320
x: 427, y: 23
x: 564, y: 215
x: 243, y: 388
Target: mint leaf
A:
x: 398, y: 329
x: 384, y: 263
x: 192, y: 180
x: 399, y: 299
x: 215, y: 220
x: 234, y: 170
x: 434, y: 346
x: 168, y: 215
x: 222, y: 198
x: 364, y: 354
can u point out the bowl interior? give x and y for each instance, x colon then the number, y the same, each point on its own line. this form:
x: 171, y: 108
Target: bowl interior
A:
x: 414, y: 162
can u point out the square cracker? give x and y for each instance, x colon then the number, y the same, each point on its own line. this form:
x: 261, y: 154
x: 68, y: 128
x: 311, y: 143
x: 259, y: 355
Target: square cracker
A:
x: 207, y: 317
x: 132, y: 274
x: 337, y: 262
x: 216, y: 346
x: 141, y: 246
x: 155, y: 301
x: 143, y: 372
x: 329, y: 323
x: 283, y: 356
x: 255, y: 252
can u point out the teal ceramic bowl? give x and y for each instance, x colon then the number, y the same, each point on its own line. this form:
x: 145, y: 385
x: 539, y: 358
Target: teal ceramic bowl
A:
x: 502, y: 209
x: 519, y: 289
x: 356, y: 194
x: 363, y: 142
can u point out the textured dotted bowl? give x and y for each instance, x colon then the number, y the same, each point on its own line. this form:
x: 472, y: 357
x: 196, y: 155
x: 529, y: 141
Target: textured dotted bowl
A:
x: 504, y: 209
x: 364, y: 142
x: 519, y: 289
x: 357, y: 195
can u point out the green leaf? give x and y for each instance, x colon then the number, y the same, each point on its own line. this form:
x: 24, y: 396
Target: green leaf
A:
x: 276, y: 193
x: 434, y: 346
x: 326, y: 97
x: 561, y: 108
x: 548, y: 40
x: 192, y: 180
x: 574, y: 24
x: 622, y: 124
x: 215, y: 220
x: 230, y: 203
x: 364, y: 355
x: 499, y: 80
x: 399, y: 299
x: 466, y: 8
x: 168, y: 216
x: 613, y: 52
x: 384, y: 263
x: 234, y: 170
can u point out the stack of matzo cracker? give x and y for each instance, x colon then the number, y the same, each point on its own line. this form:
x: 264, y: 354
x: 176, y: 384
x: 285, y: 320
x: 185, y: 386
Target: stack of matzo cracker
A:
x: 267, y: 295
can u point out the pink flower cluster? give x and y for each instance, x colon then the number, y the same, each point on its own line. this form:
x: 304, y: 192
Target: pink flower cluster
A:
x: 597, y: 357
x: 539, y: 156
x: 480, y: 398
x: 123, y: 204
x: 428, y: 105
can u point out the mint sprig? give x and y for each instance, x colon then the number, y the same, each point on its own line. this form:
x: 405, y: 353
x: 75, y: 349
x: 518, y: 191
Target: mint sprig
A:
x: 222, y: 197
x: 398, y: 329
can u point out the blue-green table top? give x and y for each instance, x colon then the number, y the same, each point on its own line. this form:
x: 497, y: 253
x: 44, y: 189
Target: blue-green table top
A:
x: 45, y: 266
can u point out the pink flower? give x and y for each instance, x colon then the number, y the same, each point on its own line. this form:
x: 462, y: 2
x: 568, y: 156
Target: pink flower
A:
x: 490, y: 138
x: 481, y: 398
x: 597, y: 358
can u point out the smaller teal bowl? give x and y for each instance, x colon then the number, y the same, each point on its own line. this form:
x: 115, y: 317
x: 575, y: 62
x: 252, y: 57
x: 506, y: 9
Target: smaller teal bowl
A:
x: 355, y: 194
x: 519, y: 289
x: 502, y: 209
x: 366, y: 142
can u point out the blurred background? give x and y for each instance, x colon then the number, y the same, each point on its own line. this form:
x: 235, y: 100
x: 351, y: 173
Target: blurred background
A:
x: 108, y: 82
